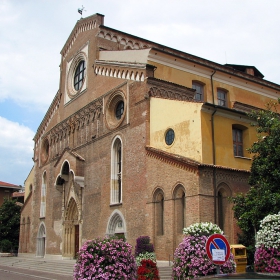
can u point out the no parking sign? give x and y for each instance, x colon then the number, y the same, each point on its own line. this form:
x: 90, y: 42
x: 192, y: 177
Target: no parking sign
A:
x: 218, y: 249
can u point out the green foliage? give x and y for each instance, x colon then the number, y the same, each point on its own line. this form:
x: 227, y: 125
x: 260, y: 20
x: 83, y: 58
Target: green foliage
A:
x: 6, y: 245
x: 263, y: 197
x: 10, y: 222
x: 265, y: 170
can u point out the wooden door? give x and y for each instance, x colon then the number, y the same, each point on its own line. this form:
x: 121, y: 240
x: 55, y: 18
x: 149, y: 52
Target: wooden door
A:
x: 76, y: 239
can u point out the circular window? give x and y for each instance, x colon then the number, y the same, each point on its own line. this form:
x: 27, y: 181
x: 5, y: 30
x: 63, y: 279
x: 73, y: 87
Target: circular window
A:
x: 169, y: 137
x: 115, y: 110
x: 79, y: 75
x: 119, y: 109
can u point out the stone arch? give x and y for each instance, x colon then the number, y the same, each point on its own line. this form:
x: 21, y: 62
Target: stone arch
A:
x: 224, y: 211
x: 116, y: 224
x: 41, y: 240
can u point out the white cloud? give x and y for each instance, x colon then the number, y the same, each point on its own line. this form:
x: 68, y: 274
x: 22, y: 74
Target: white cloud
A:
x: 34, y: 32
x: 16, y: 149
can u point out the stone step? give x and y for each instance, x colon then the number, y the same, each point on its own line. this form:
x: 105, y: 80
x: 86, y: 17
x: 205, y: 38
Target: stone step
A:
x: 165, y: 272
x: 57, y: 267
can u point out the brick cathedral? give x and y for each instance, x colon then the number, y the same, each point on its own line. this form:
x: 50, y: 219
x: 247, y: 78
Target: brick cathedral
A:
x: 140, y: 139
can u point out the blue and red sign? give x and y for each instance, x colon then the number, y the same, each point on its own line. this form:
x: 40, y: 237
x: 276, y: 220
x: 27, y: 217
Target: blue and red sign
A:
x: 218, y: 249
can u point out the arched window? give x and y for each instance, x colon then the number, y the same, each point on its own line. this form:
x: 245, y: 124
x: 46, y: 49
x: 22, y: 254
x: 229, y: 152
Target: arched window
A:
x: 43, y: 196
x: 116, y: 172
x: 116, y: 225
x: 22, y: 236
x: 27, y: 233
x: 224, y: 209
x: 179, y: 206
x: 159, y: 212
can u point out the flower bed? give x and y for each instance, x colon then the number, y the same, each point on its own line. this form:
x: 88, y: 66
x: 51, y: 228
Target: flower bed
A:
x: 267, y: 255
x: 105, y: 259
x: 147, y: 270
x: 190, y: 257
x: 145, y: 259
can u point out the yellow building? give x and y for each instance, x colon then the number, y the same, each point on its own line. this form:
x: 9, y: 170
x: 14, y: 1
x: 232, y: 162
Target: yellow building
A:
x: 140, y: 139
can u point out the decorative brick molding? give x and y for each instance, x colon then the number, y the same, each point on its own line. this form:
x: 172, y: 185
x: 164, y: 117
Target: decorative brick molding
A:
x: 125, y: 40
x: 162, y: 89
x: 83, y: 117
x: 175, y: 160
x: 134, y: 72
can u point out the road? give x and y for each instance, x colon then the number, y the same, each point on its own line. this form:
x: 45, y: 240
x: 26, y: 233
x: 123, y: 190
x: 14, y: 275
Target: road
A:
x: 11, y: 273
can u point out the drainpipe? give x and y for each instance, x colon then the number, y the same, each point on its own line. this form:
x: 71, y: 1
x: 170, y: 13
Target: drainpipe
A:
x: 214, y: 165
x: 212, y: 87
x: 214, y: 151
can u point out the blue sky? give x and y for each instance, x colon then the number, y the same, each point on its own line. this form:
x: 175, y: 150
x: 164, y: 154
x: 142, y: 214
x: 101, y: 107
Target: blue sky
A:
x: 33, y: 32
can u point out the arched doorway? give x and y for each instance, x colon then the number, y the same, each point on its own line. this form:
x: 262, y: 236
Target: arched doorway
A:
x: 41, y: 237
x: 116, y: 225
x: 71, y: 242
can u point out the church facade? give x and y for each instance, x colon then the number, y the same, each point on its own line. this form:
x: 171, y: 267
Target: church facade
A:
x: 140, y: 139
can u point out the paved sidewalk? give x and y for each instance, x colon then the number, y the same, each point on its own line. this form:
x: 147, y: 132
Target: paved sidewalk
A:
x: 251, y: 275
x: 63, y: 269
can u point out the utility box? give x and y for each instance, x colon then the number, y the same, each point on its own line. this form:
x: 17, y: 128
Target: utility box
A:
x: 240, y: 257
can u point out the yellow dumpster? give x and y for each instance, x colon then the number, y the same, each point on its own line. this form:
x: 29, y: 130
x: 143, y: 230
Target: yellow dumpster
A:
x: 240, y: 257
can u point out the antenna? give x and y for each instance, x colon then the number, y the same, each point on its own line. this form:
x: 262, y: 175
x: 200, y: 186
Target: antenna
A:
x: 80, y: 10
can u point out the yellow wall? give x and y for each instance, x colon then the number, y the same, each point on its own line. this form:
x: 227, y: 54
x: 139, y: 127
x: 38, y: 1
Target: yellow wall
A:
x: 246, y: 92
x: 184, y: 119
x: 193, y: 132
x: 192, y: 125
x: 223, y: 123
x: 28, y: 182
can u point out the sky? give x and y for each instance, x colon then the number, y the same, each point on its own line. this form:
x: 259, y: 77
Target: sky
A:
x: 33, y: 32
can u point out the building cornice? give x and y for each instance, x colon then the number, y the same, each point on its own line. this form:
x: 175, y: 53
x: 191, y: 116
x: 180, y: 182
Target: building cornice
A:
x: 167, y: 90
x: 136, y: 42
x: 184, y: 162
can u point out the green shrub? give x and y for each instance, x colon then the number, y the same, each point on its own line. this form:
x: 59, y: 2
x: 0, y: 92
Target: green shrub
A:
x: 6, y: 245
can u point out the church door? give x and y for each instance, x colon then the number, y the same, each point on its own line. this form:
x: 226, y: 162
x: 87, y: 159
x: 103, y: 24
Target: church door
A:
x: 77, y: 239
x: 71, y: 230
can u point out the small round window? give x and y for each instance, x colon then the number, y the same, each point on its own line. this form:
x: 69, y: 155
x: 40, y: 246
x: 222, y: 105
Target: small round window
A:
x: 169, y: 136
x: 119, y: 109
x: 79, y: 75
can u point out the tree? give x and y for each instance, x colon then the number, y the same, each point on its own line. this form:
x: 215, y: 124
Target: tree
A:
x: 9, y: 224
x: 263, y: 197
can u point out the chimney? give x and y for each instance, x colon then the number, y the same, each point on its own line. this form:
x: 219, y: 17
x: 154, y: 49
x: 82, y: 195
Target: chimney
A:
x: 250, y: 71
